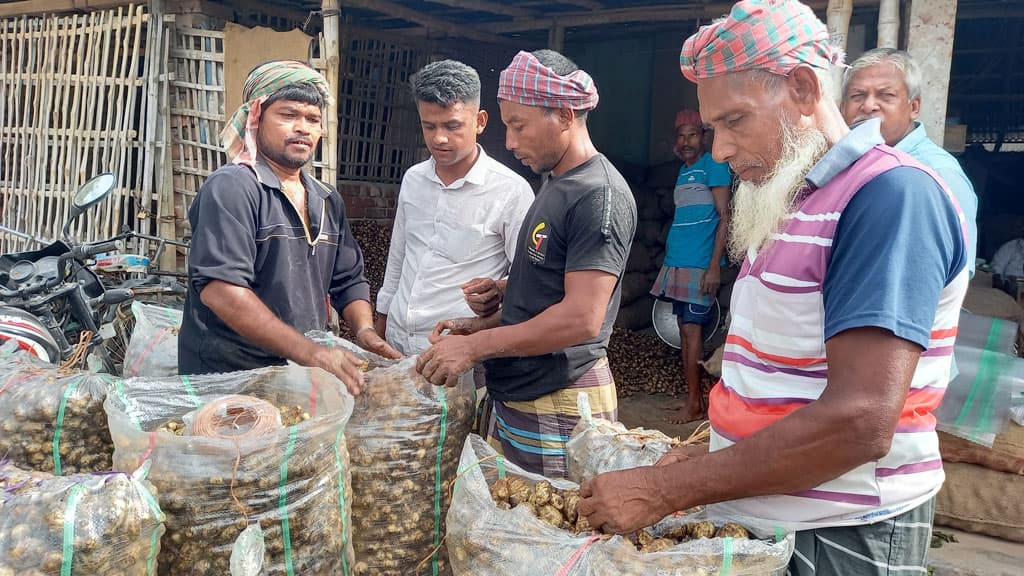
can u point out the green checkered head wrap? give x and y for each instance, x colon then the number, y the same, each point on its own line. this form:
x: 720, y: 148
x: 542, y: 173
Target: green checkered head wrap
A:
x: 239, y: 135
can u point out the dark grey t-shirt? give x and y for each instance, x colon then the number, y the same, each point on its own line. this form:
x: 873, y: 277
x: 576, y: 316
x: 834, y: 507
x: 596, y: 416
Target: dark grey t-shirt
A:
x: 246, y: 232
x: 581, y: 220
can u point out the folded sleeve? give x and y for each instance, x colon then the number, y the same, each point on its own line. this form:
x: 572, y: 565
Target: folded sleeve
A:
x: 223, y: 219
x: 601, y: 228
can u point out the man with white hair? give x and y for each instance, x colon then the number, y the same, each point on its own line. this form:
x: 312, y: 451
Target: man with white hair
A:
x: 844, y: 316
x: 886, y: 83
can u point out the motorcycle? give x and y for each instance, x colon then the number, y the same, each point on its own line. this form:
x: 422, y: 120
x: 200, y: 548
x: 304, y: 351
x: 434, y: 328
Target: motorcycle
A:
x: 52, y: 304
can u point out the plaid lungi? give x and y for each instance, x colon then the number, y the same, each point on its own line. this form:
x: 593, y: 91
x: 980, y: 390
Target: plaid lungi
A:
x: 681, y: 285
x: 533, y: 433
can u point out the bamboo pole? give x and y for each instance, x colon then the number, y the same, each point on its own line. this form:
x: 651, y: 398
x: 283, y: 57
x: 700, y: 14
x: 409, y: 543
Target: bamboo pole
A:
x: 330, y: 52
x: 888, y: 23
x: 47, y: 146
x: 83, y: 122
x: 101, y: 151
x: 6, y: 158
x: 151, y: 73
x: 66, y: 107
x: 19, y: 110
x: 48, y: 73
x: 36, y: 157
x: 166, y: 214
x: 121, y: 127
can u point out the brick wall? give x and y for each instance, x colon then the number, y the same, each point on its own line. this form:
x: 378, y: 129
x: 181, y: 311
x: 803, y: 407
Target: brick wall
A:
x: 369, y: 201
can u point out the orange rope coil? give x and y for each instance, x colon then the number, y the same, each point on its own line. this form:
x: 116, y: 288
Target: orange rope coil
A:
x: 236, y: 417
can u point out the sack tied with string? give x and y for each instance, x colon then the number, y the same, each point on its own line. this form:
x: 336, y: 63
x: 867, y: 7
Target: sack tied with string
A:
x: 102, y: 524
x: 405, y: 438
x: 238, y: 454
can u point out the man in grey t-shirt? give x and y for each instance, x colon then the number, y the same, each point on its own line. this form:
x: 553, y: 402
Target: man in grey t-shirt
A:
x: 549, y: 341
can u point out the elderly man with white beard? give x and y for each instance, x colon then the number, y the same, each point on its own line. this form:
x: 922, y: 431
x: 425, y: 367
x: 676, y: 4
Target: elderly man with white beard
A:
x: 844, y: 316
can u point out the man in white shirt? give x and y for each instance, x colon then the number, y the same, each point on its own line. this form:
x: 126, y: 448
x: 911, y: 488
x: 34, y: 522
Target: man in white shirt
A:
x: 1008, y: 267
x: 1009, y: 259
x: 458, y: 216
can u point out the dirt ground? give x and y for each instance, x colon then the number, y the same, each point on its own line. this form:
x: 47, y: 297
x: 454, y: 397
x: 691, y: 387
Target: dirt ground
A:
x: 648, y: 411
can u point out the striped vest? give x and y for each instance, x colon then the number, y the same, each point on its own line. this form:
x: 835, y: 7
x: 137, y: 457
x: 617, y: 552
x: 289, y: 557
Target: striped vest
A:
x: 774, y: 363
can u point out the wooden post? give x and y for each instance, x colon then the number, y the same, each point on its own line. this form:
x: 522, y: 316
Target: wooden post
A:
x: 329, y: 51
x: 838, y: 22
x: 168, y: 225
x: 556, y: 37
x: 930, y: 42
x: 889, y: 23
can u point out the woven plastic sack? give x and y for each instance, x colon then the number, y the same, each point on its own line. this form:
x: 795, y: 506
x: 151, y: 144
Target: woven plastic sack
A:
x: 485, y: 540
x: 294, y: 482
x: 153, y: 348
x: 52, y: 419
x: 105, y: 524
x: 597, y: 446
x: 405, y: 438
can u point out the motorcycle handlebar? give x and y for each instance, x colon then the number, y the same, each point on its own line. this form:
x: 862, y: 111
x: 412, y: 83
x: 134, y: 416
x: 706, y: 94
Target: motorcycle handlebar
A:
x: 89, y: 250
x: 113, y: 296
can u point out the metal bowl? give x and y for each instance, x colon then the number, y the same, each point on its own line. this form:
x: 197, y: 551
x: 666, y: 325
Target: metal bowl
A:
x: 667, y: 327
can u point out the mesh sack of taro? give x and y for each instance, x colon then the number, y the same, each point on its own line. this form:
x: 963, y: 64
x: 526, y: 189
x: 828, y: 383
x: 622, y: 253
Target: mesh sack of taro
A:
x: 232, y: 455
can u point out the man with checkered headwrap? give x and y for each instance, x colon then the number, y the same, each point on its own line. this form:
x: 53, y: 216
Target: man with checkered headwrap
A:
x: 844, y: 316
x: 549, y: 340
x: 271, y: 247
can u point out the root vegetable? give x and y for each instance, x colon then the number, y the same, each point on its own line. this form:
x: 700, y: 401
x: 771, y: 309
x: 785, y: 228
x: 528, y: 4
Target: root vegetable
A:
x: 294, y: 481
x: 42, y: 406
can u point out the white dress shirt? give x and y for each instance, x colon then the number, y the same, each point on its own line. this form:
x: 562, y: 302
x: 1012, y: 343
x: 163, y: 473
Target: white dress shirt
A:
x: 444, y: 236
x: 1009, y: 259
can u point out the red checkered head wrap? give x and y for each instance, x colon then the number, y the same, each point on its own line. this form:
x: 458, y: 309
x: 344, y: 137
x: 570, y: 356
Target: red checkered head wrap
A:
x: 770, y: 35
x: 528, y: 82
x: 688, y: 117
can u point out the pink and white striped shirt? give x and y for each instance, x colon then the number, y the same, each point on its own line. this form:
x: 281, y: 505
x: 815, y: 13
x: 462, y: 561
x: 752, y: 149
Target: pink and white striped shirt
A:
x: 775, y: 362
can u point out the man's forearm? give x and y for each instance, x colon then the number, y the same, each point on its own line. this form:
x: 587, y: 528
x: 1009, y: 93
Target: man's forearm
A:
x: 554, y: 329
x: 243, y: 311
x: 721, y: 237
x: 358, y: 315
x: 797, y: 453
x: 852, y: 423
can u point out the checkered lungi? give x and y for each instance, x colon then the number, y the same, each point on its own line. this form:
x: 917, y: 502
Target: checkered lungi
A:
x: 533, y: 433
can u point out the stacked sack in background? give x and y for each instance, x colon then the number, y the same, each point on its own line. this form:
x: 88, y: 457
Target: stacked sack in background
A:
x: 653, y: 191
x: 984, y: 487
x: 251, y: 468
x: 405, y: 438
x: 153, y: 348
x: 52, y: 419
x: 508, y: 522
x: 105, y: 524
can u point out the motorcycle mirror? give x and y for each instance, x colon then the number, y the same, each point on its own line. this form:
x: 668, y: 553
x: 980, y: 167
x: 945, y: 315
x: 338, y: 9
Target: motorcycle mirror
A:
x: 90, y: 193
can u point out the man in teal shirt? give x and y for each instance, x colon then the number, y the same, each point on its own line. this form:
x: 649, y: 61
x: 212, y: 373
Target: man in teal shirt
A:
x: 886, y: 83
x: 692, y: 270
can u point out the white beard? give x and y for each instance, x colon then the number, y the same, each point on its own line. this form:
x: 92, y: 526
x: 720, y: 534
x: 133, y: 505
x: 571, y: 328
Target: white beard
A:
x: 759, y: 210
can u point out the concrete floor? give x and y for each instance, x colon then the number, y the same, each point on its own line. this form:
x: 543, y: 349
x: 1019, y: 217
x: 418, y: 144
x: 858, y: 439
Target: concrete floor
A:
x: 976, y: 555
x: 971, y: 555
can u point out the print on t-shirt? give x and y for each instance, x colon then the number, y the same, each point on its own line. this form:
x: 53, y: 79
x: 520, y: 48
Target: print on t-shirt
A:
x: 538, y: 246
